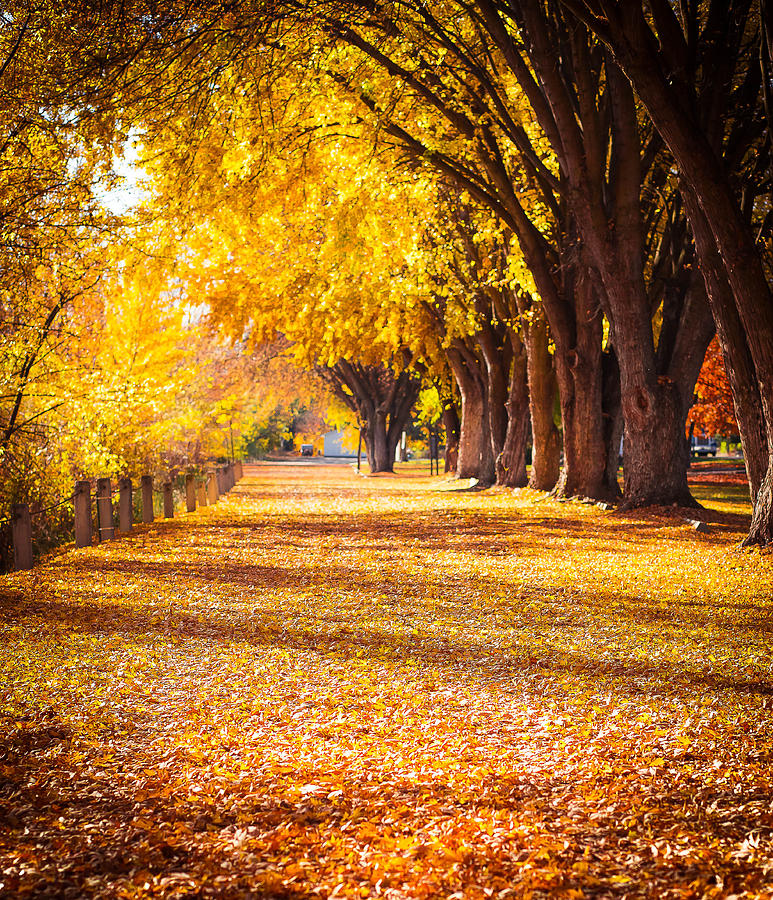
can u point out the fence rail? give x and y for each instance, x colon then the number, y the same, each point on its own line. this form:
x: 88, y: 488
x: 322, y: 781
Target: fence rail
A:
x: 204, y: 491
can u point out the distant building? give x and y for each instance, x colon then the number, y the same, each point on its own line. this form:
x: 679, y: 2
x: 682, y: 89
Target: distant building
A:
x: 334, y: 446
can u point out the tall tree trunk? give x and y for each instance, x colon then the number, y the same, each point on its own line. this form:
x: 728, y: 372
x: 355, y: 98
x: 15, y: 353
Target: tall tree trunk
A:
x: 613, y: 421
x: 685, y: 333
x: 475, y: 459
x: 546, y: 452
x: 380, y: 457
x: 580, y: 389
x: 451, y: 426
x: 655, y: 453
x: 497, y: 364
x: 511, y: 462
x: 681, y: 351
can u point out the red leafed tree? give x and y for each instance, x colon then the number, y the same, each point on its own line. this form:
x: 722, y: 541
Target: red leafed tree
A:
x: 713, y: 411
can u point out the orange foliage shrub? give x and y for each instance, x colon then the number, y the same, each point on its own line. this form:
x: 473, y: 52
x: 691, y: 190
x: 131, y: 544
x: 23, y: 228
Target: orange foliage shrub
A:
x: 713, y: 411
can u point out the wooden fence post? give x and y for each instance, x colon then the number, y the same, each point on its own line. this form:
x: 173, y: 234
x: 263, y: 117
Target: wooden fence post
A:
x: 22, y: 537
x: 125, y: 504
x: 146, y: 484
x: 220, y: 482
x: 168, y: 501
x: 229, y: 475
x: 212, y: 492
x: 82, y: 504
x: 201, y: 492
x: 105, y: 510
x: 190, y: 494
x: 239, y: 470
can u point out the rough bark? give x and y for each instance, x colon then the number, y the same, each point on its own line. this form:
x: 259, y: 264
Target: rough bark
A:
x: 579, y: 377
x: 496, y: 357
x: 613, y: 422
x: 451, y: 426
x: 685, y: 333
x: 511, y: 462
x: 475, y: 459
x: 381, y: 456
x: 655, y: 452
x: 761, y: 529
x: 546, y: 442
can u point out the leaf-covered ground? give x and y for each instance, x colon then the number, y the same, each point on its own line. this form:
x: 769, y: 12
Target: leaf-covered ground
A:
x: 336, y: 686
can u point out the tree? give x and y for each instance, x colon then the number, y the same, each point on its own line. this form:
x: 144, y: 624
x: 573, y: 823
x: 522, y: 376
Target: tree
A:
x: 337, y: 282
x: 382, y: 400
x: 479, y: 130
x: 713, y: 411
x: 692, y: 72
x: 470, y: 302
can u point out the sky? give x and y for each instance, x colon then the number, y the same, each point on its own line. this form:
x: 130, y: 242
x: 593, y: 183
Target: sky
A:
x: 130, y: 193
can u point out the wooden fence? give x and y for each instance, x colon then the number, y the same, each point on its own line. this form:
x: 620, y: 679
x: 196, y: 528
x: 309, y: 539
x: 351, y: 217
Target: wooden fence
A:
x: 198, y: 492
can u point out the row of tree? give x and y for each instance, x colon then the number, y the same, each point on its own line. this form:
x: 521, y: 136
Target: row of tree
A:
x: 527, y: 199
x: 627, y: 148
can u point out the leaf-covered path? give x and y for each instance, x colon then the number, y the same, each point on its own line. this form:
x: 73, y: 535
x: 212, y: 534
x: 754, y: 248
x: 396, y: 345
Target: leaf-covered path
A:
x: 336, y: 686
